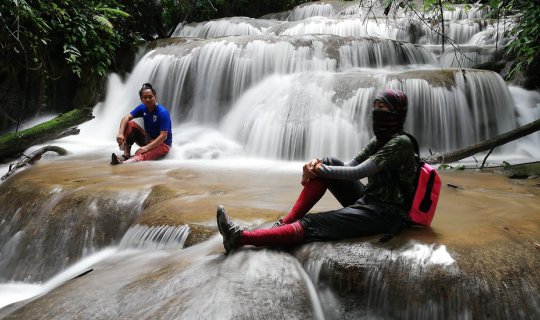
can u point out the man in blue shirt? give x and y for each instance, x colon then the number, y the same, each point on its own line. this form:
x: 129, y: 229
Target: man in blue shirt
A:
x: 154, y: 140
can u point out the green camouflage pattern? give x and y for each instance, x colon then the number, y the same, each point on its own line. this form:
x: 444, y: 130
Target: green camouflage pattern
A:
x: 395, y: 183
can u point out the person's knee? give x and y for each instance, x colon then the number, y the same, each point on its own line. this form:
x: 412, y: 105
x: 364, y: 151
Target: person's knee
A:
x: 135, y: 134
x: 331, y: 161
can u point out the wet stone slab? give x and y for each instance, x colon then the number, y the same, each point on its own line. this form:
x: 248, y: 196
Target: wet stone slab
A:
x: 478, y: 260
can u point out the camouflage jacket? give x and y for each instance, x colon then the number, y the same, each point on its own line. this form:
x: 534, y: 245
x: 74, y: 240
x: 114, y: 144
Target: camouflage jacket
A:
x: 395, y: 184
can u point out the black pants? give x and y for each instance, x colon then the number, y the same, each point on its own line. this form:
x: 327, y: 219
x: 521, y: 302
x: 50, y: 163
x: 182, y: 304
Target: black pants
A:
x: 135, y: 134
x: 360, y: 215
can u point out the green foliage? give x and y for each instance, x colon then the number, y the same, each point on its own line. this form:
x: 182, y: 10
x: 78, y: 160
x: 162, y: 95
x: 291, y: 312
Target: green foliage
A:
x: 86, y: 34
x: 525, y: 48
x: 81, y: 32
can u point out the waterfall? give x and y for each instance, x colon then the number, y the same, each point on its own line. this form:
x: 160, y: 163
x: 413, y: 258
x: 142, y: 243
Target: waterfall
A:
x: 155, y: 238
x: 236, y: 26
x: 271, y: 120
x: 300, y: 84
x: 69, y: 223
x: 200, y: 79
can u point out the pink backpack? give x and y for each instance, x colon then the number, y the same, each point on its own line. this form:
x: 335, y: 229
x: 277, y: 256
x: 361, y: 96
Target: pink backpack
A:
x: 426, y: 196
x: 428, y: 187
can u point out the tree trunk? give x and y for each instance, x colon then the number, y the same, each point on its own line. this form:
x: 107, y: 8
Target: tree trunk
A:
x: 485, y: 145
x: 442, y: 24
x: 14, y: 143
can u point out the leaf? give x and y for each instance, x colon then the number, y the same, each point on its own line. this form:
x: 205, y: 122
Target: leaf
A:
x: 104, y: 22
x: 494, y: 3
x: 114, y: 12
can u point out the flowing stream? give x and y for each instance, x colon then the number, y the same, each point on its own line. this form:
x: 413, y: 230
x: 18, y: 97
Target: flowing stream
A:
x: 250, y: 100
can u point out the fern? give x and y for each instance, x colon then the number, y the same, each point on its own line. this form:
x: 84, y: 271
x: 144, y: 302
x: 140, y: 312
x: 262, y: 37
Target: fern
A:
x: 113, y: 12
x: 104, y: 23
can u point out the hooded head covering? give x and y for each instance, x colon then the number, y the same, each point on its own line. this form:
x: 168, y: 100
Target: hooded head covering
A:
x: 387, y: 123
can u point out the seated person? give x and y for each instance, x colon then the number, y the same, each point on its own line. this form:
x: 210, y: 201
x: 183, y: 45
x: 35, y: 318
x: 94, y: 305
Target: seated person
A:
x: 156, y: 138
x: 388, y: 161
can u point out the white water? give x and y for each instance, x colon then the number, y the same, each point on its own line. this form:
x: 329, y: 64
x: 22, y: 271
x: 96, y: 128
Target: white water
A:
x: 296, y: 97
x: 418, y: 255
x: 137, y: 239
x: 154, y: 238
x: 426, y: 255
x: 299, y: 116
x: 16, y: 291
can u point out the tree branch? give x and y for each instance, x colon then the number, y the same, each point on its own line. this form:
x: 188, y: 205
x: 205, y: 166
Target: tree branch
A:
x: 488, y: 144
x: 33, y: 158
x: 450, y: 41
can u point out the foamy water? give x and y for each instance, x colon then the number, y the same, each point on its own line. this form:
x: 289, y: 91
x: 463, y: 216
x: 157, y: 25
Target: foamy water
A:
x: 426, y: 254
x: 17, y: 291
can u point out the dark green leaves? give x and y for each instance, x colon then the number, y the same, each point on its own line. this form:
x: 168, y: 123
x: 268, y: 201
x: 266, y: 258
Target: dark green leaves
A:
x: 83, y: 33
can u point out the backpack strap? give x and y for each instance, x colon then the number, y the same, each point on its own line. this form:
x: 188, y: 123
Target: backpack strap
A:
x: 415, y: 144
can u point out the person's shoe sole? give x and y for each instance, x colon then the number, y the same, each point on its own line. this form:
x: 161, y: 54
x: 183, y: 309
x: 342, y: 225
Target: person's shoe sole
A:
x: 222, y: 215
x: 115, y: 160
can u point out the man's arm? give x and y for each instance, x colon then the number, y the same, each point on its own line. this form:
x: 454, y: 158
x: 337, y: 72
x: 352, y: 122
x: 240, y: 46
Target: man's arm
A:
x: 156, y: 142
x: 362, y: 170
x: 123, y: 123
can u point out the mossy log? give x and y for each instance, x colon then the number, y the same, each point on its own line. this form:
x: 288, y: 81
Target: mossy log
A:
x: 488, y: 144
x: 14, y: 143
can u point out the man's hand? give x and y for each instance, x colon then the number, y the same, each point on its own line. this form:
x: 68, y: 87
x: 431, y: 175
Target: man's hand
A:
x: 141, y: 150
x: 120, y: 139
x: 309, y: 170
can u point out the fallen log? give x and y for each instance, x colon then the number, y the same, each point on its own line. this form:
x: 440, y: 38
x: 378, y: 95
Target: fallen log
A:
x: 488, y: 144
x: 14, y: 143
x: 32, y: 158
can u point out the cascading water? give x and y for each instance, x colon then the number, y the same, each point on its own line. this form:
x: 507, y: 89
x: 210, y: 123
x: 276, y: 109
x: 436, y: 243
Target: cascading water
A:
x: 291, y: 86
x: 295, y: 87
x: 49, y: 233
x: 154, y: 238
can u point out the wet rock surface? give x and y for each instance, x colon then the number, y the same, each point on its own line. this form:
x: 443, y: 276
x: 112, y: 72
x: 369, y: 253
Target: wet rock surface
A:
x: 195, y: 283
x: 478, y: 260
x: 523, y: 171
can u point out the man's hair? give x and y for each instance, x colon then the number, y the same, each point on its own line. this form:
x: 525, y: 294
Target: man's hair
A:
x: 146, y: 86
